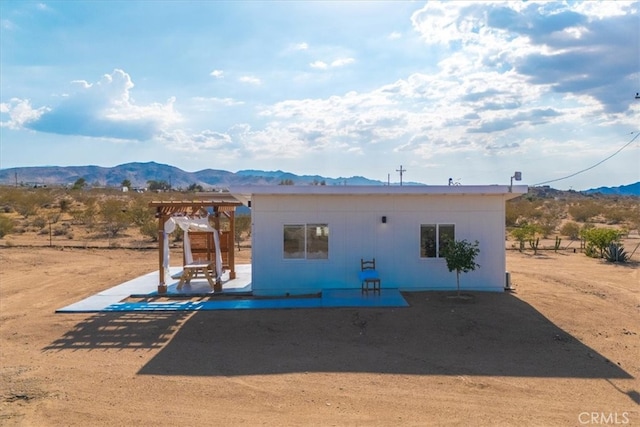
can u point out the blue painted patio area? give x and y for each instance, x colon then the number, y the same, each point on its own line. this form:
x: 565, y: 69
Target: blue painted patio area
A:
x: 235, y: 295
x: 331, y: 298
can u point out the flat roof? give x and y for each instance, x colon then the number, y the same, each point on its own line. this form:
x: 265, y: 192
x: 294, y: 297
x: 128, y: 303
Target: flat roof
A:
x: 244, y: 193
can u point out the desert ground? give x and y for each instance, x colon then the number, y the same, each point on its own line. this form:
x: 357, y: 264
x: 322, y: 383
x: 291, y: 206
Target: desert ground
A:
x: 562, y: 349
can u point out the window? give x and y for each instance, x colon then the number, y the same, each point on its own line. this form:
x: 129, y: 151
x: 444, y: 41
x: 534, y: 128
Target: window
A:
x: 306, y: 241
x: 434, y: 238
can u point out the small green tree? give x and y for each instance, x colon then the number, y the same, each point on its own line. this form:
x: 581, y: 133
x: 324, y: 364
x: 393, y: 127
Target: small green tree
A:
x: 195, y: 188
x: 524, y: 233
x: 126, y: 184
x: 242, y: 225
x: 599, y: 239
x: 461, y: 257
x: 161, y: 185
x: 79, y: 184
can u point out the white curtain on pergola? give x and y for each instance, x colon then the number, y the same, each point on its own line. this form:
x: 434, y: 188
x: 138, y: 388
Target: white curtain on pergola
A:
x: 190, y: 224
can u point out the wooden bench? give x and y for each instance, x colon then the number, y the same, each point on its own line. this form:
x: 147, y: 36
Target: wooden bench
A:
x: 195, y: 269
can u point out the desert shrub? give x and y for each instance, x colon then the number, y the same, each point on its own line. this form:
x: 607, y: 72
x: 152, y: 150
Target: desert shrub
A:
x: 61, y: 230
x: 522, y: 209
x: 39, y: 222
x: 114, y: 216
x: 547, y: 223
x: 140, y: 213
x: 150, y: 229
x: 27, y: 204
x: 65, y: 204
x: 585, y: 211
x: 571, y: 230
x: 6, y: 225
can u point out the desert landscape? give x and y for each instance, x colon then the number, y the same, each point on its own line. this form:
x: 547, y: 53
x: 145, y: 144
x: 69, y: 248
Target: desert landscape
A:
x: 560, y: 349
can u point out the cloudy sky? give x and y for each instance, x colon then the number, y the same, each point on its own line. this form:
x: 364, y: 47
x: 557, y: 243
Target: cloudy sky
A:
x: 469, y: 90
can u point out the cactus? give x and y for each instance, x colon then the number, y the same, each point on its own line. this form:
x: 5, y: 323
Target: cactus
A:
x: 534, y: 243
x: 556, y: 245
x: 615, y: 253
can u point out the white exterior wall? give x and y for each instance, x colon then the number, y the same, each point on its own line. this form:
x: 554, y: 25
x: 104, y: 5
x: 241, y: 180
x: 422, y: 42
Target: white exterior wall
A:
x: 356, y: 231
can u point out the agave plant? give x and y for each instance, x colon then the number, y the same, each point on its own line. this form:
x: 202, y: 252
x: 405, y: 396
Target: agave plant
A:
x: 615, y: 253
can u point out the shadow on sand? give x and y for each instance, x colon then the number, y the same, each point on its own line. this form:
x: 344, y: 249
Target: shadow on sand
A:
x: 499, y: 334
x: 496, y: 335
x: 122, y: 330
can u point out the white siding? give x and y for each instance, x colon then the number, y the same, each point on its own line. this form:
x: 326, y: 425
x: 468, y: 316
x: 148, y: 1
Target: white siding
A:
x: 356, y: 231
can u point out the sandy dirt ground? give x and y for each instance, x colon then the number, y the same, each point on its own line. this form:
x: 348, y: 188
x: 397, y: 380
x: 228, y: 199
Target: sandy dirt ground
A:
x: 563, y: 349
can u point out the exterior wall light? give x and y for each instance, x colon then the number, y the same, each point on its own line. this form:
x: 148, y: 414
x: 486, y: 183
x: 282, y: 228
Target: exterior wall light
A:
x: 384, y: 219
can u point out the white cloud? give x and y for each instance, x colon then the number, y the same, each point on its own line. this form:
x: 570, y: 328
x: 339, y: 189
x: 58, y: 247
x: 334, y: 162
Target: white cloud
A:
x: 250, y: 80
x: 337, y: 63
x: 102, y: 109
x: 341, y: 62
x: 300, y: 46
x: 226, y: 102
x: 395, y: 35
x: 218, y: 74
x: 320, y: 65
x: 20, y: 113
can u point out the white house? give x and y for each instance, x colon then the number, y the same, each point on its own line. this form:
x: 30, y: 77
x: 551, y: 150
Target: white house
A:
x: 309, y: 238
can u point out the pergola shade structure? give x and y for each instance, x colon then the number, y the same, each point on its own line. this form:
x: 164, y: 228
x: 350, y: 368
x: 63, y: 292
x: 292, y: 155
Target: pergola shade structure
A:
x: 214, y: 207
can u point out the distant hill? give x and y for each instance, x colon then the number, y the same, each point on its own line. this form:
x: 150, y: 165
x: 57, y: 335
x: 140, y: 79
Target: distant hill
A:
x: 140, y: 173
x: 623, y: 190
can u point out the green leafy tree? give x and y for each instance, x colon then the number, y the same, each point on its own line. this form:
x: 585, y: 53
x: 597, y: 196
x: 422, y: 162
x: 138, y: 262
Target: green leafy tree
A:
x: 524, y: 233
x: 461, y: 257
x: 161, y: 185
x: 79, y: 184
x: 194, y: 188
x: 126, y: 183
x: 598, y: 239
x: 242, y: 225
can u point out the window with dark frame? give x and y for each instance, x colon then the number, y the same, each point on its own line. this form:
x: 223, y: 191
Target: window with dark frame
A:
x: 434, y: 238
x: 306, y: 241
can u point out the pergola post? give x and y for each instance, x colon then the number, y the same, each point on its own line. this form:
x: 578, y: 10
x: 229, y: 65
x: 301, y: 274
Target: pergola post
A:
x: 232, y: 245
x: 162, y: 286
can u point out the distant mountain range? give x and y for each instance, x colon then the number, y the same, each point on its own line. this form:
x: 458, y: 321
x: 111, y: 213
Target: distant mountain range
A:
x: 623, y: 190
x: 139, y: 174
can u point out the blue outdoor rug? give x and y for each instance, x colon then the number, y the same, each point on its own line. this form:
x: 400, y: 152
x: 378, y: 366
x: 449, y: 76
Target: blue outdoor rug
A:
x: 331, y: 298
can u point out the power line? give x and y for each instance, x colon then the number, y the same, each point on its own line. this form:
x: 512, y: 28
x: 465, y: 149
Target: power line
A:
x: 593, y: 166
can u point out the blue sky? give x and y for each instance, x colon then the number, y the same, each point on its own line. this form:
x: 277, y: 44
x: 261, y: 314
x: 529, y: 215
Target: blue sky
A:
x: 469, y: 90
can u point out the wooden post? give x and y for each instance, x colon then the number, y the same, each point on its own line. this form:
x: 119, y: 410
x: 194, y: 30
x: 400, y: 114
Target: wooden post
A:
x: 162, y: 287
x: 232, y: 244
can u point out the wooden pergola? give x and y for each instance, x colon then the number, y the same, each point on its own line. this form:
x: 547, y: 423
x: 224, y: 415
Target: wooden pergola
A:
x: 218, y: 204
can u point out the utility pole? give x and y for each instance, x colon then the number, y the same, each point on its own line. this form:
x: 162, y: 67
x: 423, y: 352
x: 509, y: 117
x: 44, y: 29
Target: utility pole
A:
x: 401, y: 170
